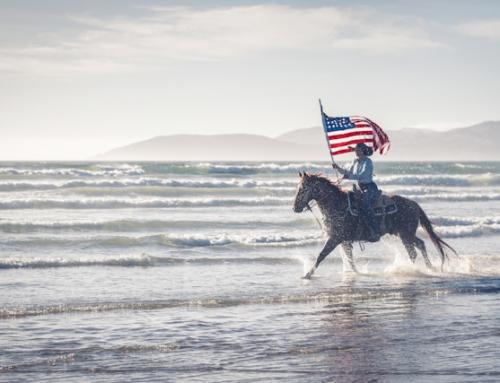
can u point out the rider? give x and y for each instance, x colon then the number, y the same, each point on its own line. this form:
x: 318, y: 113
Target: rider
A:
x: 362, y: 171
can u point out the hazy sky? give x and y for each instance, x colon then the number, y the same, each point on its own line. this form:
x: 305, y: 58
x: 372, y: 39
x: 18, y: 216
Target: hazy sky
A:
x: 80, y: 77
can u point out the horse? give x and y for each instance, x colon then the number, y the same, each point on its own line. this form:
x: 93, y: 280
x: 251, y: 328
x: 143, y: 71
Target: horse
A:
x: 342, y: 227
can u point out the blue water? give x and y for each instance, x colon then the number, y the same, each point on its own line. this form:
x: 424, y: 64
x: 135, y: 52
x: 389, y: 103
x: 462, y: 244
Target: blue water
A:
x: 191, y: 272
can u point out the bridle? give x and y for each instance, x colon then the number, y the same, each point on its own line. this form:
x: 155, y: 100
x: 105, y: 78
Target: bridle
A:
x: 320, y: 198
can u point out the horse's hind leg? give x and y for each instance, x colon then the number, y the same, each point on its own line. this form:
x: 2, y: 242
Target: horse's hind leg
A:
x: 420, y: 244
x: 347, y: 247
x: 409, y: 246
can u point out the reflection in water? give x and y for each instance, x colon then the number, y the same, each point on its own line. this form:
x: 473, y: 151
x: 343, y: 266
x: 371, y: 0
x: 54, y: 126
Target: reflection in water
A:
x: 358, y: 329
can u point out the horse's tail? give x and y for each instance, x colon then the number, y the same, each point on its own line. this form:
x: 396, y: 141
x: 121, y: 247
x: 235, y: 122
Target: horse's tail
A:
x: 436, y: 240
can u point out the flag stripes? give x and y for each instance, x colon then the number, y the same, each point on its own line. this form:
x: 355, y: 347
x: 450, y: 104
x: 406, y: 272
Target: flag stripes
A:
x: 342, y: 133
x: 352, y: 142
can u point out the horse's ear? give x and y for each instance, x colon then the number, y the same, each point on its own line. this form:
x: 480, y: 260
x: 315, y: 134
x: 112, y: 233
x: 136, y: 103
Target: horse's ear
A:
x: 306, y: 175
x: 300, y: 174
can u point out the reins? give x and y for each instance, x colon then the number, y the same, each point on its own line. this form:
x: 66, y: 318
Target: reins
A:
x: 315, y: 217
x: 308, y: 206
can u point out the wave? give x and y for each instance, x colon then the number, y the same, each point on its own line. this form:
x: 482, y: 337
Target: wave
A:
x: 54, y: 356
x: 464, y: 221
x: 415, y: 190
x: 143, y: 260
x: 41, y: 263
x: 144, y: 182
x: 486, y: 179
x: 337, y: 295
x: 449, y: 225
x: 131, y: 203
x: 215, y: 302
x: 463, y: 227
x: 468, y: 231
x: 171, y: 240
x: 151, y: 184
x: 417, y: 168
x: 124, y: 169
x: 310, y: 236
x: 98, y: 170
x: 237, y: 168
x: 129, y: 225
x: 211, y: 167
x: 456, y: 197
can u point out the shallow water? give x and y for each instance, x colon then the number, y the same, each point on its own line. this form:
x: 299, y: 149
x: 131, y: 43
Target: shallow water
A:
x: 192, y: 272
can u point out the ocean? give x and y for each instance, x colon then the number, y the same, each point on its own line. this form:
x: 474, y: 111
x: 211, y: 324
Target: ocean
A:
x: 191, y: 272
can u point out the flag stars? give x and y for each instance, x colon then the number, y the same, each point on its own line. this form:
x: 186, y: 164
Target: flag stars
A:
x: 338, y: 123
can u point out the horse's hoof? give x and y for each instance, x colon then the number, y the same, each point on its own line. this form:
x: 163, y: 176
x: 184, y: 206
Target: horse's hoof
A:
x: 307, y: 276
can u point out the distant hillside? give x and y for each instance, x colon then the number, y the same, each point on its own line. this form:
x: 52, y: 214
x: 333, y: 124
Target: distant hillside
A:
x: 223, y: 147
x: 479, y: 142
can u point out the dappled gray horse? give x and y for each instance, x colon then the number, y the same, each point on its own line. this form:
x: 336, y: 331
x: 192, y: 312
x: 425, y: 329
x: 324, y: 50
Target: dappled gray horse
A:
x: 342, y: 227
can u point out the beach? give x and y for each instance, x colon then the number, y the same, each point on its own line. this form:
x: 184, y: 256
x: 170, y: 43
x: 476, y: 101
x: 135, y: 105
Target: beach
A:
x: 192, y: 272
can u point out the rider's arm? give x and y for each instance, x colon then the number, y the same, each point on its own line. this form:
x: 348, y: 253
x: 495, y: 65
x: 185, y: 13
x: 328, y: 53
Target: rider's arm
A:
x: 364, y: 172
x: 347, y: 173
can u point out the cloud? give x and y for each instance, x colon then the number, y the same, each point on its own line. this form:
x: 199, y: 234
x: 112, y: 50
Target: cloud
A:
x: 181, y: 33
x: 486, y: 29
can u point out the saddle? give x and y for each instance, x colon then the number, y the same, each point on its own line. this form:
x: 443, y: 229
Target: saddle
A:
x: 382, y: 206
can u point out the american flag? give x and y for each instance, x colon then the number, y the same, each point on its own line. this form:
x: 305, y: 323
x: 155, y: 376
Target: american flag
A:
x: 345, y: 132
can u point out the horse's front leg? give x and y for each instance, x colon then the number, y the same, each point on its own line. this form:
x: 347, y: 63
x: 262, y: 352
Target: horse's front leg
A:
x: 347, y: 246
x: 330, y: 244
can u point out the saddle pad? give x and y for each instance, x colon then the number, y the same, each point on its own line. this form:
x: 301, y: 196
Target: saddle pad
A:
x: 382, y: 206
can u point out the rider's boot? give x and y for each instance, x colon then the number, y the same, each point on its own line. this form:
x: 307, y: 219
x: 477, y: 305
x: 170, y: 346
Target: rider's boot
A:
x: 374, y: 232
x: 373, y: 236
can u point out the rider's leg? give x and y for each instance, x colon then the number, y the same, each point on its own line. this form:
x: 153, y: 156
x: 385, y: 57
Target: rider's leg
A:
x: 367, y: 199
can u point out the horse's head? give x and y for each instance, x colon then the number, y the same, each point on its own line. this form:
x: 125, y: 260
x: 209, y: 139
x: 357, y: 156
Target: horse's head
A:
x: 315, y: 187
x: 305, y: 192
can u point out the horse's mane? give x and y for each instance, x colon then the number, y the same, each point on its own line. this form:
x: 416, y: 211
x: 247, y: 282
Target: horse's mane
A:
x: 319, y: 177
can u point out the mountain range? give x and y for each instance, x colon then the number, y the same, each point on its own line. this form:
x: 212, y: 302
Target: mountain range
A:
x: 474, y: 143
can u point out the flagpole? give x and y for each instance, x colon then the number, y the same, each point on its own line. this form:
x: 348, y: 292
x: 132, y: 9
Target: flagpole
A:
x: 326, y: 137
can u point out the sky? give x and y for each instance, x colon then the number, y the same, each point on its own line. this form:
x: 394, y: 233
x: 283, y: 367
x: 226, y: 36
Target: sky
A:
x: 81, y: 77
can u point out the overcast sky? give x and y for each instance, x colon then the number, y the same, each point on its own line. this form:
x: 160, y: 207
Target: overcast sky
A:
x: 80, y: 77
